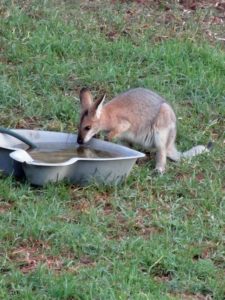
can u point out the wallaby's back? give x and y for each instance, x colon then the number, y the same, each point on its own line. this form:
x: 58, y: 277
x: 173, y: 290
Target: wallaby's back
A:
x: 138, y: 106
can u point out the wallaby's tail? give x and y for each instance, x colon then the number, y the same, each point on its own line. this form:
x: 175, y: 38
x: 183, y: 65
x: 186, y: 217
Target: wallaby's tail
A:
x: 197, y: 150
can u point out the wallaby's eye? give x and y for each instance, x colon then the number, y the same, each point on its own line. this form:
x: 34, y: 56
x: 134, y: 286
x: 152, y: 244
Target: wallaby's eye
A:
x: 87, y: 128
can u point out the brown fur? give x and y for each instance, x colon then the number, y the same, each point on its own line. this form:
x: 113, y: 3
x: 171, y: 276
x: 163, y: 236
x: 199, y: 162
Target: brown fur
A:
x: 138, y: 116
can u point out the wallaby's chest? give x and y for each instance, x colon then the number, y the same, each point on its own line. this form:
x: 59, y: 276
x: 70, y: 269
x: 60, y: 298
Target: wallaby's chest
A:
x: 144, y: 138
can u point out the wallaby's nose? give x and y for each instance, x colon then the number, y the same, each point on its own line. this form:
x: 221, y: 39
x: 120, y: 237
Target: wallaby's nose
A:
x: 79, y: 140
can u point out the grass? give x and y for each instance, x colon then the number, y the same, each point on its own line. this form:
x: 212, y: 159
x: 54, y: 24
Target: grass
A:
x: 150, y: 237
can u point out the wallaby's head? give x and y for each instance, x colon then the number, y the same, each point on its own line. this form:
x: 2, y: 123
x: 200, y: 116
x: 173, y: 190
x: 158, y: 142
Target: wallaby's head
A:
x: 90, y: 117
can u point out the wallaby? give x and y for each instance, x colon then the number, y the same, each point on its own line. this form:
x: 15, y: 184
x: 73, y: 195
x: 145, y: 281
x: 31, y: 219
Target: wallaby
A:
x: 138, y: 116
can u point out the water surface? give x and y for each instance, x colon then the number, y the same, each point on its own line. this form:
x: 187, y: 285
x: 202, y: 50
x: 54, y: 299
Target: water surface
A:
x: 60, y: 152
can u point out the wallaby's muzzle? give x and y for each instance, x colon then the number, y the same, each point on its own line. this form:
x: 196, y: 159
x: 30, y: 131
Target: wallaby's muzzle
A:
x: 79, y: 140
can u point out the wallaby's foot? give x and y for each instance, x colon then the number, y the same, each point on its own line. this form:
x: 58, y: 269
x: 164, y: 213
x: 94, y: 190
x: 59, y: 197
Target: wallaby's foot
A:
x: 159, y: 170
x: 156, y: 173
x: 160, y: 161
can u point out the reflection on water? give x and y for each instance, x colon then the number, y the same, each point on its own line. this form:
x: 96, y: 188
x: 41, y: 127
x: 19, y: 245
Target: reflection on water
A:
x: 59, y: 152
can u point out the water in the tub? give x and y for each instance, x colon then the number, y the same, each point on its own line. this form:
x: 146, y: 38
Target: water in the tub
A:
x: 60, y: 152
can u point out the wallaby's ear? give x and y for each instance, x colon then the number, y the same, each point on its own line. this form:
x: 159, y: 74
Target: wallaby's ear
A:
x: 98, y: 106
x: 86, y: 99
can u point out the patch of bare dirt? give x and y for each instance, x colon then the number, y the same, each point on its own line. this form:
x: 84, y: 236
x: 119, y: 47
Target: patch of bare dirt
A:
x: 84, y: 262
x: 122, y: 226
x: 207, y: 251
x: 163, y: 278
x: 182, y: 176
x: 200, y: 176
x: 195, y: 4
x: 142, y: 225
x: 4, y: 207
x: 29, y: 255
x: 189, y: 296
x: 28, y: 258
x: 32, y: 253
x: 175, y: 15
x: 81, y: 205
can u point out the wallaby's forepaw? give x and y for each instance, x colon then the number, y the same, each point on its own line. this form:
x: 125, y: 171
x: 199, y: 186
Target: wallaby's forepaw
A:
x: 112, y: 135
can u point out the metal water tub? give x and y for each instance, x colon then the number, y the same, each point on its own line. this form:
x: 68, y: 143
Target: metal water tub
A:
x: 14, y: 160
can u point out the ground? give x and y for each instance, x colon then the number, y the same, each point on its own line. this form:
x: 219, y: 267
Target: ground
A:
x: 152, y: 237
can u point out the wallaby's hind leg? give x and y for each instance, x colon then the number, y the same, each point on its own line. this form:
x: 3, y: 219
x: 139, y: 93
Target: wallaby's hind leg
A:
x: 161, y: 137
x: 163, y: 125
x: 171, y: 151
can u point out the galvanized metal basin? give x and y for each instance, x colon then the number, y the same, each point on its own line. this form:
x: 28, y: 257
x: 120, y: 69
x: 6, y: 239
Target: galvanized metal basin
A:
x: 16, y: 160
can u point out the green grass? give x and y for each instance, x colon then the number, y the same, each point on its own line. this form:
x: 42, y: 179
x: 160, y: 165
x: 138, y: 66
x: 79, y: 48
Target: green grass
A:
x: 150, y: 237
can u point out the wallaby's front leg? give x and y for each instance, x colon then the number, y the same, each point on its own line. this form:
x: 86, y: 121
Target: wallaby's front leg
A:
x: 112, y: 135
x: 121, y: 127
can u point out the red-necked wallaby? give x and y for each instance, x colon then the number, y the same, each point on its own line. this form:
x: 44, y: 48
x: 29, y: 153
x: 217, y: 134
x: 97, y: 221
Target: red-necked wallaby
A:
x: 138, y: 116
